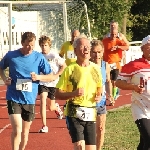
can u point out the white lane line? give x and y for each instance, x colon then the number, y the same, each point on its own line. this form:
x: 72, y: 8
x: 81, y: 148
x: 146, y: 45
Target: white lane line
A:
x: 1, y: 130
x: 3, y: 91
x: 6, y: 126
x: 4, y: 107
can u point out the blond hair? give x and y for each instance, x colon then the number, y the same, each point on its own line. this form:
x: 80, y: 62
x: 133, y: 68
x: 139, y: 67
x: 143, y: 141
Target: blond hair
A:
x: 44, y: 39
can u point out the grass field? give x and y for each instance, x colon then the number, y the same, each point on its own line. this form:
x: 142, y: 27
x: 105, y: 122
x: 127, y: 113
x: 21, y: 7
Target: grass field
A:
x: 121, y: 131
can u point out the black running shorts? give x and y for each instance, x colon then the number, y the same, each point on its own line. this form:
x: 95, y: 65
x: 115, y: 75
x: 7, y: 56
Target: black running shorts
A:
x: 82, y: 130
x: 27, y: 111
x: 49, y: 90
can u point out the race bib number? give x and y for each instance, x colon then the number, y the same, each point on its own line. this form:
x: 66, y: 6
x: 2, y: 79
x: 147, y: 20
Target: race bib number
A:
x: 85, y: 114
x: 71, y: 55
x: 24, y: 85
x: 113, y: 66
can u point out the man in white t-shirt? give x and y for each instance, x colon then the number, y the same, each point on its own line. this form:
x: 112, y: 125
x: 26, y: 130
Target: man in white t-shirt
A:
x: 47, y: 89
x: 135, y: 76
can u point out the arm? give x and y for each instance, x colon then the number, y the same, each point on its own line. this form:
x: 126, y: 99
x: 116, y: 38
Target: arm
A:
x: 61, y: 53
x: 62, y: 68
x: 108, y: 80
x: 7, y: 80
x: 44, y: 78
x: 122, y: 37
x: 124, y: 85
x: 124, y: 48
x: 60, y: 94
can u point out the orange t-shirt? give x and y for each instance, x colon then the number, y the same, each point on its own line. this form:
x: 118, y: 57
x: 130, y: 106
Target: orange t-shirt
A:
x: 112, y: 56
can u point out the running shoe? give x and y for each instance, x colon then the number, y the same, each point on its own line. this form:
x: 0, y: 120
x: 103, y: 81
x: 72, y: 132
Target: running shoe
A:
x: 44, y: 129
x: 59, y: 112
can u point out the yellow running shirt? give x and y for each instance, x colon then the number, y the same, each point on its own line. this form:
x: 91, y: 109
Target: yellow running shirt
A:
x: 75, y: 77
x: 68, y: 50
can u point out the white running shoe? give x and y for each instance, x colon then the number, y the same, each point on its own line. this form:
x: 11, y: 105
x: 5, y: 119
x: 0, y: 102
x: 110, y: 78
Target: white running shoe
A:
x: 44, y: 129
x: 58, y: 112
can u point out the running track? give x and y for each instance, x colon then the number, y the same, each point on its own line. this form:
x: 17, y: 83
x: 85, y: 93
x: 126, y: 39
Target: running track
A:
x: 56, y: 139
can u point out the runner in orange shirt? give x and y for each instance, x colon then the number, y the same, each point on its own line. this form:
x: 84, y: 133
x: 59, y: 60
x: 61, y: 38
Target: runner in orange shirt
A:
x: 113, y: 47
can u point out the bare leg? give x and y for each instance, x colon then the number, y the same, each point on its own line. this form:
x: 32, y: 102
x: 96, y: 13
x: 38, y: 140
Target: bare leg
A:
x: 43, y: 98
x: 80, y: 145
x: 100, y: 130
x: 25, y: 133
x: 51, y: 105
x: 16, y: 122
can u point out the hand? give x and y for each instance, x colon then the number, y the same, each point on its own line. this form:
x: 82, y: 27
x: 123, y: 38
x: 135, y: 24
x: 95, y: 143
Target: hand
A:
x: 78, y: 92
x: 138, y: 89
x: 34, y: 76
x: 7, y: 81
x: 114, y: 48
x: 98, y: 97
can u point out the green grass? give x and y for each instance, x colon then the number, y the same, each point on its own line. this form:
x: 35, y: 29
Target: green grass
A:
x: 121, y: 131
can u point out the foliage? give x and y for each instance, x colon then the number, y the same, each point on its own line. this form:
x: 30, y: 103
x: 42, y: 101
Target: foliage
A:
x: 140, y: 18
x: 102, y: 12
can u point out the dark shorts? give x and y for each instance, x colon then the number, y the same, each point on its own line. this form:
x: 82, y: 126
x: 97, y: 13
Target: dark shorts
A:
x: 27, y: 111
x: 49, y: 90
x: 82, y: 130
x: 101, y: 110
x: 114, y: 74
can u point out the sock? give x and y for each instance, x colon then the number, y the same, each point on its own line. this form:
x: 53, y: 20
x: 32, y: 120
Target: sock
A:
x: 114, y: 91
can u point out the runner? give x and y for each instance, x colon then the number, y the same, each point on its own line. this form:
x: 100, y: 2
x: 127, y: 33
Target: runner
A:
x: 97, y: 51
x: 135, y: 76
x: 113, y: 48
x: 115, y: 26
x: 21, y: 89
x: 67, y: 49
x: 80, y: 84
x: 47, y: 89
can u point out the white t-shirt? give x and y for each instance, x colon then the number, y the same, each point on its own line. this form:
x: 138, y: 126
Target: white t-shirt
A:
x: 55, y: 62
x: 133, y: 72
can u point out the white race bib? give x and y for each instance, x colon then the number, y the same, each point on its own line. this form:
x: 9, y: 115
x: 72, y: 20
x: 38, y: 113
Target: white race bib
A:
x: 24, y: 85
x: 148, y: 86
x: 71, y: 55
x: 113, y: 66
x: 85, y: 114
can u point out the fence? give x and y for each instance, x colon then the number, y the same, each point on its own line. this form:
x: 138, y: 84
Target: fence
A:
x: 133, y: 53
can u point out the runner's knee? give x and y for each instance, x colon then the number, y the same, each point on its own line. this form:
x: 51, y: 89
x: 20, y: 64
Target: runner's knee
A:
x: 80, y: 145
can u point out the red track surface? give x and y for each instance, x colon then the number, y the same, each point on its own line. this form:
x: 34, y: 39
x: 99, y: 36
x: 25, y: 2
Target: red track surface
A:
x: 56, y: 139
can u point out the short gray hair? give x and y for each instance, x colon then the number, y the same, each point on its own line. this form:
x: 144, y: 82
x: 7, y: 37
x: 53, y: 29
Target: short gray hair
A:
x: 81, y: 36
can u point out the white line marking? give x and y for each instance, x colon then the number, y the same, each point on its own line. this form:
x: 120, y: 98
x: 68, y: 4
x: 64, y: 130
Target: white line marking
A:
x: 1, y: 130
x: 4, y: 107
x: 3, y: 91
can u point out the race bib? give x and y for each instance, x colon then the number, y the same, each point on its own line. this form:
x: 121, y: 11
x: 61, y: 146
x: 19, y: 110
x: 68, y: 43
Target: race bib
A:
x: 85, y: 114
x: 148, y: 85
x: 71, y: 55
x: 113, y: 66
x: 24, y: 85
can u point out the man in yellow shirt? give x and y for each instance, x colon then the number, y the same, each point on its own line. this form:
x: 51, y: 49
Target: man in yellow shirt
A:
x: 81, y: 85
x: 67, y: 49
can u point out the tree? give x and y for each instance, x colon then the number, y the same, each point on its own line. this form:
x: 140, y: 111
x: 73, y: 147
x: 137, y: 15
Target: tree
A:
x: 140, y: 18
x: 101, y: 13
